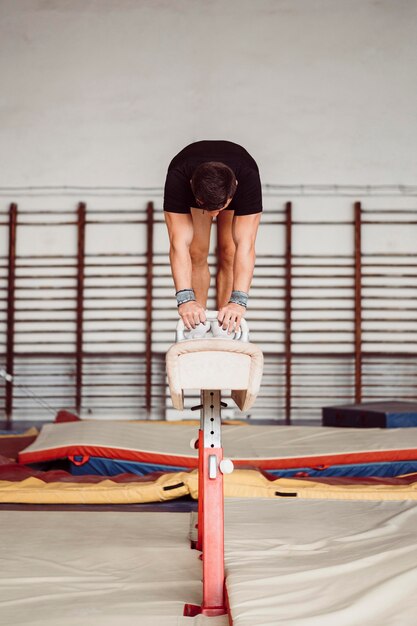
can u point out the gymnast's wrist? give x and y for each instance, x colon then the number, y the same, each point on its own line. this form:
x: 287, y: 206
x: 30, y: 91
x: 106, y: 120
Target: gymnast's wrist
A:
x: 185, y: 295
x: 239, y: 297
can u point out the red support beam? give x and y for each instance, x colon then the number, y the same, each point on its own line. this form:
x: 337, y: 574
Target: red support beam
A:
x: 80, y: 306
x: 210, y: 508
x: 200, y: 446
x: 10, y: 329
x: 149, y: 306
x: 288, y: 310
x: 213, y: 535
x: 358, y: 301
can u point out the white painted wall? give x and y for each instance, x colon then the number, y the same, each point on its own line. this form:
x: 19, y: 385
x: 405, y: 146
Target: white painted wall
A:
x: 104, y: 92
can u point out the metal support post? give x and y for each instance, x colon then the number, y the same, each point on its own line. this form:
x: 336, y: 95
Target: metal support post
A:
x: 210, y: 507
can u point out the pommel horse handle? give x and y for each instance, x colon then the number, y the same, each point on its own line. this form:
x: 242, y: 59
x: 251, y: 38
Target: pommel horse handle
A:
x: 211, y: 316
x: 212, y: 364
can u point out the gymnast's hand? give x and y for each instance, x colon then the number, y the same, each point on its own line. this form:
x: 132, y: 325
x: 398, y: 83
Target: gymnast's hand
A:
x: 192, y: 314
x: 230, y: 315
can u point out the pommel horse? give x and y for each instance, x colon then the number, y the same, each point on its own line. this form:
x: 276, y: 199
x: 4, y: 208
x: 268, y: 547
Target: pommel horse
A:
x: 210, y: 365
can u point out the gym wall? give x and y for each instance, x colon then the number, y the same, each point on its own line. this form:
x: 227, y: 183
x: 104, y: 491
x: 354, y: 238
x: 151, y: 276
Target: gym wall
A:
x: 97, y: 98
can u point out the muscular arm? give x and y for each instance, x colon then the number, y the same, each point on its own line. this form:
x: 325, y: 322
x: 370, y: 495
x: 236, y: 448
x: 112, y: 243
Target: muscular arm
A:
x: 244, y: 231
x: 180, y: 232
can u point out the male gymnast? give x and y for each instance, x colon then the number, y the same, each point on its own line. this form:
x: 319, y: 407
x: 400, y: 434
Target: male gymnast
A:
x: 207, y: 180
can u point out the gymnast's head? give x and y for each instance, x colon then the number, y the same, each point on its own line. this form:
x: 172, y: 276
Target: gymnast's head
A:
x: 214, y: 185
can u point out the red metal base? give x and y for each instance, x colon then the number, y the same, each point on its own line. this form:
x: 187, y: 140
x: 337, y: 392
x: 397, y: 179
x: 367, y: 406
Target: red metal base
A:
x: 192, y: 610
x: 199, y: 545
x: 210, y: 527
x: 213, y: 533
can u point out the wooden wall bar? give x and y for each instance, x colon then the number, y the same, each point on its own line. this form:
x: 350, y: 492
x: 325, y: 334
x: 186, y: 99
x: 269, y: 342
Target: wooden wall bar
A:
x: 288, y: 310
x: 327, y: 319
x: 358, y: 301
x: 149, y: 306
x: 79, y: 348
x: 10, y: 324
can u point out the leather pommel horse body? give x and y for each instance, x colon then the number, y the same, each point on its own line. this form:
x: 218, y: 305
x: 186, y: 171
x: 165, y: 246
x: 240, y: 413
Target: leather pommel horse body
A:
x: 211, y: 365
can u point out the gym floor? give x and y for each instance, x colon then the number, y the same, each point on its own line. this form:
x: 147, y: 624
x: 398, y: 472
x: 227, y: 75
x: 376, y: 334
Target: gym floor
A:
x: 97, y: 99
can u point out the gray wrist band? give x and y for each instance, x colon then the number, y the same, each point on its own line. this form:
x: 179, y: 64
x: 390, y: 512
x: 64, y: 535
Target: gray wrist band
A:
x: 239, y: 297
x: 185, y: 295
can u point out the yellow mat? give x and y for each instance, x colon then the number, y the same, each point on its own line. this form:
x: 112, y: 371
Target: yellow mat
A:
x: 239, y: 484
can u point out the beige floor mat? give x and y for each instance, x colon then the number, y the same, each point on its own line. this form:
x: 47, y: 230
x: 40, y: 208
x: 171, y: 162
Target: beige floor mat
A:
x: 98, y: 569
x: 329, y: 563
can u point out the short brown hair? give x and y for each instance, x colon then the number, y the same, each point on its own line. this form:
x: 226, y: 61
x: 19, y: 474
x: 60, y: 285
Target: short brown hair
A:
x: 213, y: 183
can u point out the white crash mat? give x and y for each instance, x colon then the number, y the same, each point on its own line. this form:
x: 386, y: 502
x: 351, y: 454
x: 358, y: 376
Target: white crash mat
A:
x: 328, y: 563
x: 267, y: 447
x: 305, y: 563
x: 101, y: 569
